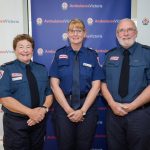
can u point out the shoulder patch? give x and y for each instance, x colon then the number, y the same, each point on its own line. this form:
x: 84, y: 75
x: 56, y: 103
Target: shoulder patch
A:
x: 111, y: 50
x: 146, y: 47
x: 7, y: 63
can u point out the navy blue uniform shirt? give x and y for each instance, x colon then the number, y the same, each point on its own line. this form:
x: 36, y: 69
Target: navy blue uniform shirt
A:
x: 62, y: 66
x: 139, y: 77
x: 14, y: 83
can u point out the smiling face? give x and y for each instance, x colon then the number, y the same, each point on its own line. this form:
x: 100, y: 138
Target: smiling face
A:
x: 24, y: 51
x: 23, y: 46
x: 76, y: 33
x: 126, y: 33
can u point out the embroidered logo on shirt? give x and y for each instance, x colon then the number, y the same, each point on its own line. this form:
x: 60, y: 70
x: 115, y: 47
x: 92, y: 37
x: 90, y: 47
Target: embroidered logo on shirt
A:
x: 63, y: 56
x: 1, y: 73
x: 87, y: 65
x: 114, y: 58
x: 16, y: 76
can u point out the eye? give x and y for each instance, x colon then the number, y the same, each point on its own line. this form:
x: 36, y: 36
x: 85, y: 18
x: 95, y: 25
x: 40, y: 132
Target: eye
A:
x: 20, y: 46
x: 128, y: 30
x: 121, y: 30
x: 29, y: 46
x: 78, y: 31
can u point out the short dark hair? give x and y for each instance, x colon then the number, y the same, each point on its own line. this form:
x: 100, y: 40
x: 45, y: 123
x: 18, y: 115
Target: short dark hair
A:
x: 21, y: 37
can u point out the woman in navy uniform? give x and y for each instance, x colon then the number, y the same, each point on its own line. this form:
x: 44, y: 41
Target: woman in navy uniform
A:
x: 24, y: 125
x: 75, y: 124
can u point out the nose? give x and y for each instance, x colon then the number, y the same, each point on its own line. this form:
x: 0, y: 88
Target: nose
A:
x: 25, y: 50
x: 75, y: 32
x: 125, y: 32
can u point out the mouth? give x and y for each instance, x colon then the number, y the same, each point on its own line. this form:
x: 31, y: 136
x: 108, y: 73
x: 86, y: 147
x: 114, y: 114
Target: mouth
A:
x: 75, y: 38
x: 25, y: 55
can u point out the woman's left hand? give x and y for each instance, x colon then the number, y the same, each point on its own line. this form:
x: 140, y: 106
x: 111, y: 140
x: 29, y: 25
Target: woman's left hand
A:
x: 76, y: 116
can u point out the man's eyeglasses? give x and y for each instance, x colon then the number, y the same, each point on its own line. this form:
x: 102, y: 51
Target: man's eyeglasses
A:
x: 129, y: 30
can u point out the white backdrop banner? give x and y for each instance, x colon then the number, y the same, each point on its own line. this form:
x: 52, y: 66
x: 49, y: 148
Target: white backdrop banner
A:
x: 143, y: 21
x: 11, y: 24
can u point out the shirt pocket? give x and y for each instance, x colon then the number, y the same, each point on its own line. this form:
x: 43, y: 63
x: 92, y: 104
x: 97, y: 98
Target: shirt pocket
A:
x: 112, y: 70
x: 87, y: 71
x: 42, y: 84
x: 63, y: 67
x: 42, y: 87
x: 19, y: 87
x: 137, y: 71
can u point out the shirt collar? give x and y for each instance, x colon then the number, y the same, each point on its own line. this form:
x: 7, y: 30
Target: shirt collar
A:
x: 23, y: 65
x: 71, y: 50
x: 131, y: 49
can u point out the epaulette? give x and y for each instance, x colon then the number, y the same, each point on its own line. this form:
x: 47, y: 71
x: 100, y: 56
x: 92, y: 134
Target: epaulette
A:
x: 61, y: 48
x: 7, y: 63
x: 93, y: 50
x: 146, y: 47
x: 39, y: 64
x: 111, y: 50
x: 89, y: 48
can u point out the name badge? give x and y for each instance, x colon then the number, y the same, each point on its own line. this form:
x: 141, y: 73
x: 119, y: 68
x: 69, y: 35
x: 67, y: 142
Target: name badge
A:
x: 87, y: 65
x: 63, y: 56
x: 114, y: 58
x: 16, y: 76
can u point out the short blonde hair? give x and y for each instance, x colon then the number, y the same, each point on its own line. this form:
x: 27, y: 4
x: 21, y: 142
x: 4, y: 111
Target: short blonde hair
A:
x: 76, y: 23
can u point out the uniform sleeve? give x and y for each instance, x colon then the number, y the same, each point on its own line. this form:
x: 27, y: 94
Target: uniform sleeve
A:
x: 148, y: 73
x: 53, y: 72
x: 104, y: 69
x: 98, y: 73
x: 5, y: 90
x: 48, y: 90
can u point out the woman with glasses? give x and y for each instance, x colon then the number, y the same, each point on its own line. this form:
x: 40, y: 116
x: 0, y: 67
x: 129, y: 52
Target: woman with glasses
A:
x: 75, y: 80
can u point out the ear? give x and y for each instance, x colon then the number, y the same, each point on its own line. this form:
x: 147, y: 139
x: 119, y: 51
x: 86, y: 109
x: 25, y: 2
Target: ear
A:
x: 85, y: 33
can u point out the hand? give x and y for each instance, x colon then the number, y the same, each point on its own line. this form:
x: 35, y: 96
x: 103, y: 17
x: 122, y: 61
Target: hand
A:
x: 127, y: 107
x: 76, y: 116
x: 31, y: 122
x: 118, y: 109
x: 37, y: 114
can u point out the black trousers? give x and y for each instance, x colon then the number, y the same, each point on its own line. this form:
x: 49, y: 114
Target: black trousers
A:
x: 74, y: 136
x: 131, y: 132
x: 19, y: 136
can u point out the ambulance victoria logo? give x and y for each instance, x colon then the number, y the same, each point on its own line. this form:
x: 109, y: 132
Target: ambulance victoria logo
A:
x: 64, y: 6
x: 40, y: 51
x: 90, y: 21
x: 64, y: 36
x: 145, y: 21
x: 39, y: 21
